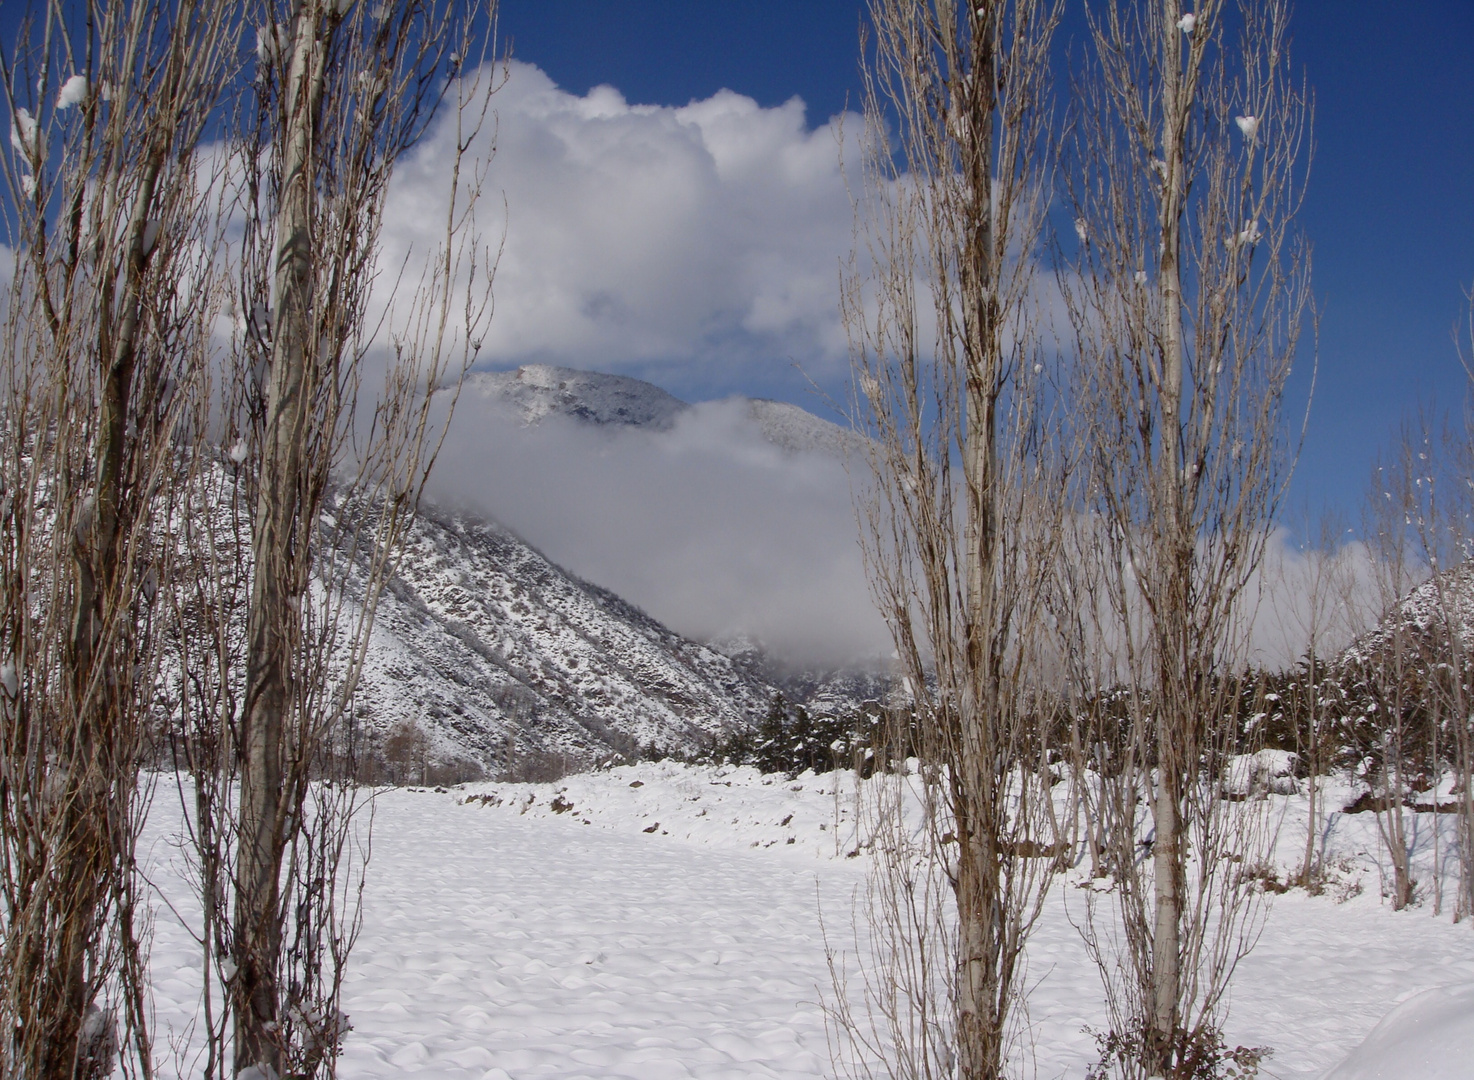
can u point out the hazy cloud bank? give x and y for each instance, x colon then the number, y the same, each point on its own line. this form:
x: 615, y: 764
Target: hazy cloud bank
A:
x: 708, y: 527
x: 716, y: 532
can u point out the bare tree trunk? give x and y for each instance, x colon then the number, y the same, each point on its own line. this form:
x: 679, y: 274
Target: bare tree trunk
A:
x: 342, y: 91
x: 281, y: 524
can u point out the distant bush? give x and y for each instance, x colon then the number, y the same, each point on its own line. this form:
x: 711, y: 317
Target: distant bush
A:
x: 791, y: 741
x: 540, y: 766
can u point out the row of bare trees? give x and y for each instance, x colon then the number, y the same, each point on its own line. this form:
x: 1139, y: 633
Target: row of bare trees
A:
x: 215, y: 419
x: 1075, y: 479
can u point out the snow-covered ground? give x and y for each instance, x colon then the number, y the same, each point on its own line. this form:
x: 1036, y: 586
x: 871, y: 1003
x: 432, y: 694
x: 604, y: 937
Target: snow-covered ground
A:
x: 661, y: 920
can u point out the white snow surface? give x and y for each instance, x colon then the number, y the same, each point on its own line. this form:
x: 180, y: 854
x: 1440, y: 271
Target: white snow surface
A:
x: 1430, y: 1036
x: 662, y: 920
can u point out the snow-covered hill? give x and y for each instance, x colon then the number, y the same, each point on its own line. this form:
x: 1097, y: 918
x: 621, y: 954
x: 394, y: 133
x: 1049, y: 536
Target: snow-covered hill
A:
x: 536, y: 391
x: 1421, y: 619
x: 479, y: 639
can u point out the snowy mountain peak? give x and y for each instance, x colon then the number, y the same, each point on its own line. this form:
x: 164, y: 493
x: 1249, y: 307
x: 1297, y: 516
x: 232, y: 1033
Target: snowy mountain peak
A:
x: 536, y: 391
x: 541, y: 390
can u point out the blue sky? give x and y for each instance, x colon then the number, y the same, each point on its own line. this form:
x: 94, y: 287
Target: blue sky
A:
x: 1390, y: 207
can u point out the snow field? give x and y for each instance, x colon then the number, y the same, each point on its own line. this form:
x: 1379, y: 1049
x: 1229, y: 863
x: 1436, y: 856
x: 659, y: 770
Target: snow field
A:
x: 654, y: 921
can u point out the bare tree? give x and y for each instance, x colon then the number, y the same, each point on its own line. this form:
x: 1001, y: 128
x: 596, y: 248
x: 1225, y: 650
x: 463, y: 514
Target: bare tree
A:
x: 963, y: 518
x: 1394, y: 667
x: 342, y: 91
x: 1424, y: 523
x: 1462, y: 716
x: 105, y: 320
x: 1188, y: 294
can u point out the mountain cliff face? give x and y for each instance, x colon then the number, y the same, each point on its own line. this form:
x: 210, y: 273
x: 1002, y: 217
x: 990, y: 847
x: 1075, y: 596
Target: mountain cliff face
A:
x: 483, y: 642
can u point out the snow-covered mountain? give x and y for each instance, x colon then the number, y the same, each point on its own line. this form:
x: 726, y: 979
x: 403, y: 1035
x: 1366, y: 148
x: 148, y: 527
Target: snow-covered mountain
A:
x: 480, y: 640
x: 493, y: 651
x: 536, y: 391
x: 483, y: 653
x: 821, y: 690
x: 540, y: 390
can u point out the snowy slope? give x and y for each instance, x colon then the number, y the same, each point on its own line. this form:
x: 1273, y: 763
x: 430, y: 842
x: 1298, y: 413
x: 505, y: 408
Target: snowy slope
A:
x: 479, y: 638
x: 539, y: 390
x: 822, y: 691
x: 1420, y: 617
x: 801, y: 432
x: 494, y: 652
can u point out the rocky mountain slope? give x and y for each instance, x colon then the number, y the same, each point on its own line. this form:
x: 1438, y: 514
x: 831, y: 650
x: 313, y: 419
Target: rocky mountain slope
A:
x: 1426, y: 620
x: 539, y: 390
x: 493, y: 651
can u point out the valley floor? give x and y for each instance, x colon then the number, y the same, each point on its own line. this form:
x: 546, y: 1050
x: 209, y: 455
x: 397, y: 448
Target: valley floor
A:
x: 657, y: 921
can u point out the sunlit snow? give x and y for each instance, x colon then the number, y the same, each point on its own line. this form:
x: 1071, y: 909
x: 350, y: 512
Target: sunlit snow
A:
x: 661, y: 920
x: 73, y: 92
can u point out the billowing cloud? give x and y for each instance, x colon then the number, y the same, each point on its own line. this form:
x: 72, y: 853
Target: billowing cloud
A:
x: 701, y: 244
x: 707, y: 527
x: 638, y: 235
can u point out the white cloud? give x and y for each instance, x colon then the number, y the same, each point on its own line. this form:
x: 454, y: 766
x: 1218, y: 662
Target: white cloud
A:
x: 639, y: 234
x: 1323, y: 596
x: 707, y: 527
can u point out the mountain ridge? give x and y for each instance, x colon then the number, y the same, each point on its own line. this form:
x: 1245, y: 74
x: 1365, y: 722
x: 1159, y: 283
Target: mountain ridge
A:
x: 537, y: 391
